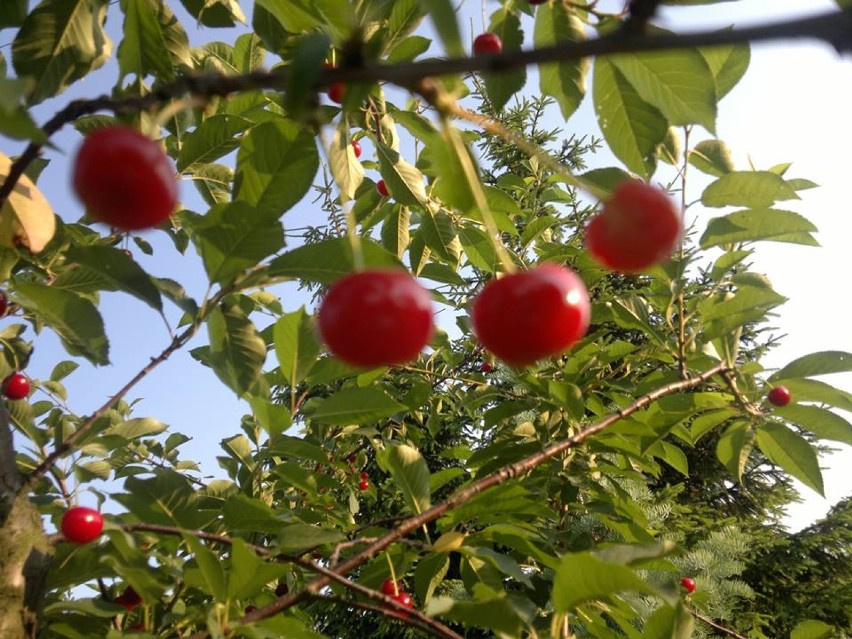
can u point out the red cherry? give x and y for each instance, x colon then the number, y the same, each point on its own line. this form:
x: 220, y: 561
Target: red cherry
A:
x: 125, y: 179
x: 639, y: 227
x: 281, y: 589
x: 374, y: 318
x: 356, y: 147
x: 364, y: 476
x: 535, y: 2
x: 779, y: 396
x: 487, y: 43
x: 16, y: 386
x: 486, y: 367
x: 364, y: 485
x: 688, y: 584
x: 4, y: 303
x: 405, y: 599
x: 529, y: 315
x: 382, y: 188
x: 80, y: 525
x: 351, y: 459
x: 336, y: 92
x: 250, y: 609
x: 130, y: 599
x: 390, y: 587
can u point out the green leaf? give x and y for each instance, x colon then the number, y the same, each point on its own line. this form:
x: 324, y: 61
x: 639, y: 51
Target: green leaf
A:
x: 669, y: 622
x: 328, y: 260
x: 751, y: 225
x: 237, y: 351
x: 74, y: 319
x: 296, y: 345
x: 565, y: 82
x: 154, y: 42
x: 813, y: 364
x: 408, y: 469
x: 348, y: 172
x: 478, y: 248
x: 581, y: 578
x: 728, y: 65
x: 429, y: 573
x: 501, y: 86
x: 440, y: 236
x: 12, y: 13
x: 678, y: 83
x: 395, y: 230
x: 734, y: 447
x: 273, y: 418
x: 356, y: 406
x: 213, y: 182
x: 497, y: 613
x: 754, y: 189
x: 443, y: 16
x: 215, y: 13
x: 276, y: 165
x: 234, y: 237
x: 215, y: 137
x: 812, y: 390
x: 791, y: 452
x: 819, y: 421
x: 632, y: 128
x: 404, y: 181
x: 301, y: 16
x: 60, y: 42
x: 297, y: 537
x: 243, y: 513
x: 211, y: 569
x: 712, y: 157
x: 248, y: 573
x: 813, y: 629
x: 119, y: 270
x: 136, y: 428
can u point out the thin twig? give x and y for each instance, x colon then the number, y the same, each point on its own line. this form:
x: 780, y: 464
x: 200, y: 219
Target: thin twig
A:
x: 713, y: 624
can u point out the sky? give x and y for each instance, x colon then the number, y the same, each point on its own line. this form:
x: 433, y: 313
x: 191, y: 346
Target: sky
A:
x: 792, y: 106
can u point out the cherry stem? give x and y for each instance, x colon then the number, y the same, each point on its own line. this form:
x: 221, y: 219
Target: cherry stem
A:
x: 393, y: 575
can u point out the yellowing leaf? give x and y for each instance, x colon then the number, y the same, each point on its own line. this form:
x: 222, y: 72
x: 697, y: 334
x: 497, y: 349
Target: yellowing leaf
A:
x: 26, y: 218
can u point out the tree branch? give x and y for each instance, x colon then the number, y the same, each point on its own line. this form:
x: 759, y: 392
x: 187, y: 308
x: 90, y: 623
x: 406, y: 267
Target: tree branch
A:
x: 834, y: 28
x: 719, y: 627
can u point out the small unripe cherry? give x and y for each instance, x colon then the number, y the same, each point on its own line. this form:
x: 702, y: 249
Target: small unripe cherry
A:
x: 16, y: 386
x: 356, y: 148
x: 688, y: 584
x: 81, y: 525
x: 487, y: 43
x: 779, y: 396
x: 382, y: 188
x: 364, y: 485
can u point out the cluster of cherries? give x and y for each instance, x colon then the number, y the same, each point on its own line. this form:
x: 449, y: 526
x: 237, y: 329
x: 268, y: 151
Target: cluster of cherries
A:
x: 393, y: 589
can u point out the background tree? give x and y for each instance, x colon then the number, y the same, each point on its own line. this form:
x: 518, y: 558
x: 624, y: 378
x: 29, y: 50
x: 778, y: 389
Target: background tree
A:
x: 569, y: 497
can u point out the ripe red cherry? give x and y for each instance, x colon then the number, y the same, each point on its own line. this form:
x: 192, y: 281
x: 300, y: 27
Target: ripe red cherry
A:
x: 364, y: 476
x: 80, y: 525
x: 364, y: 485
x: 487, y: 43
x: 250, y: 609
x: 281, y: 589
x: 125, y: 179
x: 374, y: 318
x: 16, y: 386
x: 336, y: 92
x: 390, y: 587
x: 639, y: 227
x: 779, y: 396
x: 486, y: 367
x: 130, y: 599
x: 534, y: 2
x: 382, y: 188
x: 351, y: 459
x: 529, y: 315
x: 405, y: 599
x: 356, y: 148
x: 4, y: 303
x: 688, y: 584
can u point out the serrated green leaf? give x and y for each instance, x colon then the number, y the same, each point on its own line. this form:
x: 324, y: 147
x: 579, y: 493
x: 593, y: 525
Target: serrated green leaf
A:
x: 581, y: 578
x: 215, y: 137
x: 565, y: 82
x: 60, y: 42
x: 428, y: 575
x: 118, y: 269
x: 404, y: 181
x: 821, y: 422
x: 154, y: 41
x: 234, y: 237
x: 812, y: 390
x: 211, y: 569
x: 213, y: 182
x: 669, y: 622
x: 237, y: 351
x: 501, y: 86
x: 348, y: 172
x: 752, y: 225
x: 497, y: 613
x: 478, y: 248
x: 440, y: 236
x: 276, y: 166
x: 632, y: 128
x: 215, y: 13
x: 409, y: 471
x: 74, y: 319
x: 328, y: 260
x: 248, y: 573
x: 356, y: 406
x: 813, y: 364
x: 791, y: 452
x: 139, y: 427
x: 677, y: 83
x: 395, y: 230
x: 754, y: 189
x: 712, y: 157
x: 728, y: 65
x: 734, y: 447
x: 296, y: 345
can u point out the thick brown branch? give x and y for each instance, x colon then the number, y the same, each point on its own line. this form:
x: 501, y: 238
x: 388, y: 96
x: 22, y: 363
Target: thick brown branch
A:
x: 834, y: 28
